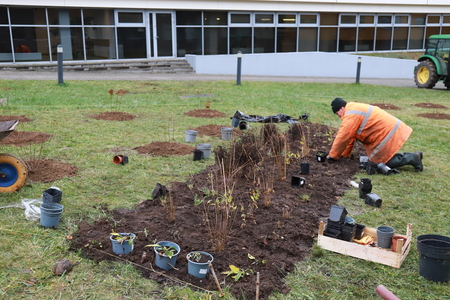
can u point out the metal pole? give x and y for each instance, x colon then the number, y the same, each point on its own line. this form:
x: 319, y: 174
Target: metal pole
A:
x: 358, y: 69
x: 59, y: 50
x: 239, y: 63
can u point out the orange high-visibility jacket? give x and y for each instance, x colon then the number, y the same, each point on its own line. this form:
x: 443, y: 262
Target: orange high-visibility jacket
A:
x: 381, y: 133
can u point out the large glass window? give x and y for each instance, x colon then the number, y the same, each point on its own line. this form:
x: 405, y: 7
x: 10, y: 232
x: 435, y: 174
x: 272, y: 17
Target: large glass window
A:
x: 27, y: 16
x: 308, y: 19
x: 3, y: 15
x: 418, y: 19
x: 400, y: 41
x: 432, y: 30
x: 307, y: 39
x: 71, y: 39
x: 328, y: 39
x: 100, y: 43
x: 416, y: 38
x: 365, y: 38
x: 189, y: 41
x: 216, y: 40
x: 98, y: 16
x: 286, y: 39
x: 240, y: 18
x: 131, y: 42
x: 264, y: 39
x: 30, y: 43
x: 329, y: 19
x: 64, y: 16
x: 240, y: 40
x: 5, y: 45
x: 347, y: 39
x: 383, y: 40
x: 287, y: 19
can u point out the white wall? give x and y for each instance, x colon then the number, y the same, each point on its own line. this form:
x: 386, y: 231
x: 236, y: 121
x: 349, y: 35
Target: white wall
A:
x: 304, y: 64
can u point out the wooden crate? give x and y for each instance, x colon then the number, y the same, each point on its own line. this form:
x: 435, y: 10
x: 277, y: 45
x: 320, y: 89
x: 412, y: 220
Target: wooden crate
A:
x: 367, y: 252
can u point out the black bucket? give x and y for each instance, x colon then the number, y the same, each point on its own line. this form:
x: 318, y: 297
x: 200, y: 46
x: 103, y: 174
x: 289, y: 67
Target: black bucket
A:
x: 434, y: 260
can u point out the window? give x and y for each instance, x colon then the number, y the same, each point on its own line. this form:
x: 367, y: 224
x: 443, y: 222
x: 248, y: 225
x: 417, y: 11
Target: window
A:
x: 384, y: 19
x: 189, y: 18
x: 348, y: 19
x: 240, y: 18
x: 287, y: 19
x: 308, y: 19
x: 64, y: 16
x: 264, y: 18
x: 215, y: 18
x: 366, y: 19
x: 98, y: 16
x: 433, y: 19
x: 401, y: 19
x: 130, y: 17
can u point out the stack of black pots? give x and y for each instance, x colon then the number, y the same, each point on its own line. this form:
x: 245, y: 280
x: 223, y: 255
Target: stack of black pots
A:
x: 335, y: 222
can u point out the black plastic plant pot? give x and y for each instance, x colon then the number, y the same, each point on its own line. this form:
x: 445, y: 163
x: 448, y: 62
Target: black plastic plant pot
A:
x: 337, y: 213
x: 365, y: 187
x: 359, y: 233
x: 371, y: 168
x: 297, y: 181
x: 304, y: 168
x: 321, y: 156
x: 198, y: 154
x: 383, y: 169
x: 373, y: 199
x: 334, y: 225
x: 243, y: 125
x: 333, y: 233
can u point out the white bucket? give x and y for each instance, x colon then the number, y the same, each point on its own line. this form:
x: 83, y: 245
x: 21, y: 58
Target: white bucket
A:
x: 206, y: 148
x: 191, y: 136
x: 227, y: 132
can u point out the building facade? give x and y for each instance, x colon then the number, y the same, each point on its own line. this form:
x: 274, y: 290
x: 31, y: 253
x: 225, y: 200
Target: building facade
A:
x: 141, y: 29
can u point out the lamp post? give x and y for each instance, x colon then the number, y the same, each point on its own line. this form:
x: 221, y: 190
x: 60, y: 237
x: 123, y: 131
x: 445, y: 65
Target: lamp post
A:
x: 239, y: 65
x: 59, y: 51
x: 358, y: 69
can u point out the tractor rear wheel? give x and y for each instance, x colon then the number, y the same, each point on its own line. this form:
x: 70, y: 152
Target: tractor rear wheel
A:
x: 425, y: 75
x: 13, y: 173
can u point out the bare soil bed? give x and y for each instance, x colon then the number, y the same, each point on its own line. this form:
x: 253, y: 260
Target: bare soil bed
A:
x: 269, y: 238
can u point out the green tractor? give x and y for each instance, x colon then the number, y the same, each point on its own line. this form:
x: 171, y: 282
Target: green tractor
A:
x: 433, y: 65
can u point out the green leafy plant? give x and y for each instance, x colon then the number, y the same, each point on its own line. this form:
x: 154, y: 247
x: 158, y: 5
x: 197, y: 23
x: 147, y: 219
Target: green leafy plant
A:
x: 122, y: 237
x: 236, y: 272
x: 169, y: 251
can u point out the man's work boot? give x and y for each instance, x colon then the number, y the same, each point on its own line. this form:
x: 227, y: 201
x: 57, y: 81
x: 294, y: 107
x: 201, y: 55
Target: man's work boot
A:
x: 408, y: 158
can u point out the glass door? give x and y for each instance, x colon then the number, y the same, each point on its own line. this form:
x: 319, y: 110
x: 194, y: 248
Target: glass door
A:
x: 161, y: 34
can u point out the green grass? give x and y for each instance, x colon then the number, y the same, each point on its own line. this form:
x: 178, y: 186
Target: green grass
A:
x: 29, y: 252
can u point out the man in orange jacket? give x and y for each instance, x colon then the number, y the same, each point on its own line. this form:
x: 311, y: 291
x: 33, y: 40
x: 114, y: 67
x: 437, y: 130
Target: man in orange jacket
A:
x: 381, y: 134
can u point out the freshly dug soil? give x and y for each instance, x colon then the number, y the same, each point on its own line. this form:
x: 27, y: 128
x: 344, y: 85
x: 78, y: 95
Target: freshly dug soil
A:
x: 437, y: 116
x: 269, y: 238
x: 25, y: 138
x: 386, y: 106
x: 430, y: 105
x: 205, y: 113
x: 114, y: 116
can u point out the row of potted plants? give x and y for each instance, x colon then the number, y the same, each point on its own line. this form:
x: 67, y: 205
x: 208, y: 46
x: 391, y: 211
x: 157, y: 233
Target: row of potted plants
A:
x: 166, y: 254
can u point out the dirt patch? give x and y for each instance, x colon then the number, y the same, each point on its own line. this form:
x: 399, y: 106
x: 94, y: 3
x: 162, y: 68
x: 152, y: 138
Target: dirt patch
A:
x: 22, y: 119
x: 113, y: 116
x: 386, y: 106
x: 437, y: 116
x: 25, y: 138
x: 43, y: 170
x: 165, y: 149
x: 263, y: 236
x: 430, y: 105
x: 205, y: 113
x: 214, y: 130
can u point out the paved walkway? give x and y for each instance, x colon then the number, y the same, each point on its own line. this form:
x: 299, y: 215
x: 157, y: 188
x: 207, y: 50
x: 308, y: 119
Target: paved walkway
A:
x: 141, y: 75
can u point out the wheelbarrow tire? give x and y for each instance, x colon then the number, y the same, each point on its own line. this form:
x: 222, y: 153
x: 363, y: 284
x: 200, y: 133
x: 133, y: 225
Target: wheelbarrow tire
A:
x: 16, y: 173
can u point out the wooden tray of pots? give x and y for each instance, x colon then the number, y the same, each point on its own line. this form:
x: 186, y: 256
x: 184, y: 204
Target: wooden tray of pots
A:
x: 383, y: 256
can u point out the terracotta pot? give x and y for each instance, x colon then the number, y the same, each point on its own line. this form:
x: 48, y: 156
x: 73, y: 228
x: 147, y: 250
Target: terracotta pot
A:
x: 394, y: 241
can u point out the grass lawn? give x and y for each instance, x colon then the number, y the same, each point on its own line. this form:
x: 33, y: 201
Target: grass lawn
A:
x: 29, y: 251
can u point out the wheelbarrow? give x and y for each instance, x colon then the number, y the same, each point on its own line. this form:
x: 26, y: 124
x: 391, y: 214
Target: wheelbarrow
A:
x: 13, y: 171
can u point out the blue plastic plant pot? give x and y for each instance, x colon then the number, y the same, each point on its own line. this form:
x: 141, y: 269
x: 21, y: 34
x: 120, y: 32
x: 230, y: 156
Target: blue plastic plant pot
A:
x: 199, y: 269
x: 124, y: 247
x: 50, y: 214
x: 162, y: 260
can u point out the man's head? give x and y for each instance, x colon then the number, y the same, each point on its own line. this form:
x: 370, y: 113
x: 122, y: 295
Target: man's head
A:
x: 337, y: 104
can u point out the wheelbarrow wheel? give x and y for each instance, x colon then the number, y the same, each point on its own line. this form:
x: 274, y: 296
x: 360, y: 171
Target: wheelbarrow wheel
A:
x: 13, y: 173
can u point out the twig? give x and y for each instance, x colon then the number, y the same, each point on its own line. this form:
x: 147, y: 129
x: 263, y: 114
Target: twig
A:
x: 258, y: 283
x: 215, y: 277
